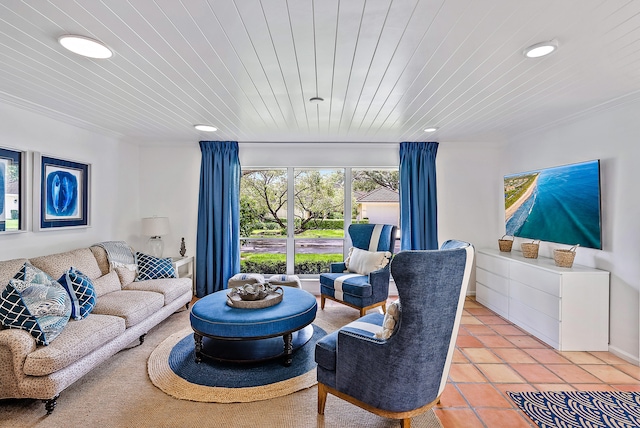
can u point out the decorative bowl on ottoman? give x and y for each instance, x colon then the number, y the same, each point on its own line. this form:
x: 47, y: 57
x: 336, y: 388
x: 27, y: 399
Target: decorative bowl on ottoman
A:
x: 254, y: 296
x: 251, y: 291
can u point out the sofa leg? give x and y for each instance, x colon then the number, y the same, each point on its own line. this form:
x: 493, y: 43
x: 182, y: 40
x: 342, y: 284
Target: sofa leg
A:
x: 322, y: 398
x: 50, y: 404
x: 187, y: 306
x: 142, y: 338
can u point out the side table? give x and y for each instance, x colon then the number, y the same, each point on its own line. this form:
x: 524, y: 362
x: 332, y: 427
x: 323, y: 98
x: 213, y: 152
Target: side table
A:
x: 184, y: 269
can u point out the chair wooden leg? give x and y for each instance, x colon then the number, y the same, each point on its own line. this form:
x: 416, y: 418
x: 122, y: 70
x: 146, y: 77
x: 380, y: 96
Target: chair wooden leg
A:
x: 405, y: 423
x: 322, y: 398
x: 363, y: 312
x: 322, y: 300
x: 384, y: 308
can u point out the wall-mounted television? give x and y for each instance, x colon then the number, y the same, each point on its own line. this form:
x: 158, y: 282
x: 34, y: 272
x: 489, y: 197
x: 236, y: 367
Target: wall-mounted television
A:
x: 559, y: 204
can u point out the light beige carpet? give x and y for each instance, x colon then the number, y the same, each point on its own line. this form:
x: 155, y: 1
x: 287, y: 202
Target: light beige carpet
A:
x: 119, y: 393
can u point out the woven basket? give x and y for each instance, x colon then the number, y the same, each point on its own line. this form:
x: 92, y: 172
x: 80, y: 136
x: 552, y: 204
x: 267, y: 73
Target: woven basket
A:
x: 530, y: 249
x: 505, y: 244
x: 564, y: 258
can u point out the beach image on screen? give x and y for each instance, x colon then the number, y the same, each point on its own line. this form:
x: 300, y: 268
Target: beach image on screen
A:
x: 560, y: 204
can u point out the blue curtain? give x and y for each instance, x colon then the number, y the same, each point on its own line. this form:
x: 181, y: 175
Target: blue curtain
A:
x: 418, y: 201
x: 218, y: 240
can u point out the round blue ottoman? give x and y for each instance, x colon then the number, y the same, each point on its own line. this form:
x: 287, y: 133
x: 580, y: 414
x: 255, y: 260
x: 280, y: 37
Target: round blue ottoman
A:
x: 243, y: 335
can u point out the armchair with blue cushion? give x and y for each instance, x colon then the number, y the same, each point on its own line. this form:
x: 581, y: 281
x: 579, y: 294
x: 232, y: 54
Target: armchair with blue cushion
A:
x: 399, y: 369
x: 362, y: 281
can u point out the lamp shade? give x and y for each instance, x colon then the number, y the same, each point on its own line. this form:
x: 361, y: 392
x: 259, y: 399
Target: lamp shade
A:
x: 155, y: 226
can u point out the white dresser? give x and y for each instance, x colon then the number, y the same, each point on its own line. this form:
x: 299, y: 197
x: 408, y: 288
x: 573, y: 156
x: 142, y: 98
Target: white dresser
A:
x: 568, y: 308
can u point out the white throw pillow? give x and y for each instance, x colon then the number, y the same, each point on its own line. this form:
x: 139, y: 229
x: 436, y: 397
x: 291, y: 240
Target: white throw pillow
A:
x: 364, y: 262
x: 390, y: 322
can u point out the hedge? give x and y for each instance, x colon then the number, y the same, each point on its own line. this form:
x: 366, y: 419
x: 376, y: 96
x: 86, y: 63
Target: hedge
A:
x: 275, y: 267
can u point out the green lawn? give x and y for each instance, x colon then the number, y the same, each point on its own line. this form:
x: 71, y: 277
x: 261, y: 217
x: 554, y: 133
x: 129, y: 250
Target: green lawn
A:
x: 317, y: 233
x: 274, y: 257
x: 11, y: 224
x: 322, y: 233
x: 304, y: 263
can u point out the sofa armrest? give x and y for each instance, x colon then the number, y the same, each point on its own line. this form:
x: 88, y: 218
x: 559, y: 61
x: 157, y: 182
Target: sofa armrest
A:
x: 15, y: 345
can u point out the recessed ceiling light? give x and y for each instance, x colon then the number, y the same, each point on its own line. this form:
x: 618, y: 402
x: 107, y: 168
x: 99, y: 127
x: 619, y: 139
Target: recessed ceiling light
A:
x: 85, y: 46
x: 541, y: 49
x: 316, y: 100
x: 431, y: 129
x: 205, y: 128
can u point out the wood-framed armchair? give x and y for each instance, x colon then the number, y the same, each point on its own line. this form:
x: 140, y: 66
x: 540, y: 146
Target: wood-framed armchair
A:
x: 403, y: 375
x: 363, y: 283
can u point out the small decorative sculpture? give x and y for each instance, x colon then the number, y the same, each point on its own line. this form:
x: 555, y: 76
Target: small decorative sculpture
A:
x: 252, y: 291
x: 183, y: 248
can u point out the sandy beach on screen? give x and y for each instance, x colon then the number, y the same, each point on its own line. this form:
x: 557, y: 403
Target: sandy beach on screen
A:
x: 522, y: 199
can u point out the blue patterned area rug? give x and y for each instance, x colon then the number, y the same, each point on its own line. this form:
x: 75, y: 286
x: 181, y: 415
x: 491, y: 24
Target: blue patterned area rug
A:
x: 173, y: 369
x: 580, y: 408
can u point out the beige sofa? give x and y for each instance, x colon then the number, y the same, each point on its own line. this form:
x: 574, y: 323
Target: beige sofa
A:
x: 125, y: 311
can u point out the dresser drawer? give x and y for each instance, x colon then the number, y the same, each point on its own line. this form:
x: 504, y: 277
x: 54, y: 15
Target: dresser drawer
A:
x: 499, y: 284
x: 498, y: 303
x: 543, y: 327
x: 493, y: 264
x: 540, y: 279
x: 536, y: 299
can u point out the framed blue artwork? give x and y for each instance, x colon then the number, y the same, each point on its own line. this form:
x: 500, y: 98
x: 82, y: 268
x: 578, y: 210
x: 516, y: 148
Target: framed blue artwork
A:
x: 12, y: 188
x: 62, y: 192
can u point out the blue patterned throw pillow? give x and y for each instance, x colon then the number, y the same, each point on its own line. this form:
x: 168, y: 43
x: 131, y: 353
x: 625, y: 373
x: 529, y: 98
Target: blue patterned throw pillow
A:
x: 34, y: 302
x: 150, y: 267
x: 81, y: 291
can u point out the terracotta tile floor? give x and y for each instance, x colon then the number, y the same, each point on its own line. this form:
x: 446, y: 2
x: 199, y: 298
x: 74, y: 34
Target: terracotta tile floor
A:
x: 493, y: 356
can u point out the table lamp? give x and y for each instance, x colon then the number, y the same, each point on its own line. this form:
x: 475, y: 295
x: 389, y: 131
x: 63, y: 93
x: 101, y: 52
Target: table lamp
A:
x: 155, y: 227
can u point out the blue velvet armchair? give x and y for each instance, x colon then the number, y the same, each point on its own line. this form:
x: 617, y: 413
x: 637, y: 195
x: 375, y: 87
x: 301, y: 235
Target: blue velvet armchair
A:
x: 363, y: 290
x: 403, y: 375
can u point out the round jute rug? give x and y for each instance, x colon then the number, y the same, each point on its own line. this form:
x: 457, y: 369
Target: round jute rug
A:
x: 172, y: 368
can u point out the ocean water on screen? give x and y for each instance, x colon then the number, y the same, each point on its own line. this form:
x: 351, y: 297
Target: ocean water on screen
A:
x: 564, y: 208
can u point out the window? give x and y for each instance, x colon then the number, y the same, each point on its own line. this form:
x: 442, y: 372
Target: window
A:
x: 11, y: 191
x: 319, y: 219
x: 317, y: 200
x: 263, y: 221
x: 376, y: 197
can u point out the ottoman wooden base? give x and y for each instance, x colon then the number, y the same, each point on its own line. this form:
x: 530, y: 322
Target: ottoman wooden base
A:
x: 249, y: 351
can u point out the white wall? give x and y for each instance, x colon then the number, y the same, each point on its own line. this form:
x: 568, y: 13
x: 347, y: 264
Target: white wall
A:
x: 169, y: 182
x: 469, y: 193
x: 114, y: 181
x: 612, y: 137
x: 381, y: 212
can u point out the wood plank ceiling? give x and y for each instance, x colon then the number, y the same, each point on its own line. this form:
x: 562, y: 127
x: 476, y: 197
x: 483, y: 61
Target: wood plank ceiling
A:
x: 385, y: 68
